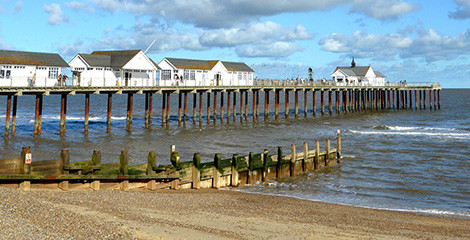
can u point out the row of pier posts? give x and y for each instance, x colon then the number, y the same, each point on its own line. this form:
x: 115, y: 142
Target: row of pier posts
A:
x: 346, y: 101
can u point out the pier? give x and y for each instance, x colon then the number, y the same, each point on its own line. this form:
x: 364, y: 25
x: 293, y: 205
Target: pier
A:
x: 343, y: 99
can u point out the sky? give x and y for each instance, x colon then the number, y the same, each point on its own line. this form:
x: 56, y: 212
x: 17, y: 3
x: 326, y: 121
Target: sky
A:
x: 412, y: 40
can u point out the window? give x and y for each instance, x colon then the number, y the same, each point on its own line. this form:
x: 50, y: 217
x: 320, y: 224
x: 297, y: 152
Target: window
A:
x: 245, y: 76
x: 204, y: 75
x: 2, y: 73
x: 7, y: 76
x: 186, y: 74
x: 166, y: 74
x: 41, y: 68
x: 192, y: 75
x: 99, y: 69
x: 239, y: 76
x: 53, y: 72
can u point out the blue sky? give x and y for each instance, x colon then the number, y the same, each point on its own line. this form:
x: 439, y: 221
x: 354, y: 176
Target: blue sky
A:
x: 416, y: 40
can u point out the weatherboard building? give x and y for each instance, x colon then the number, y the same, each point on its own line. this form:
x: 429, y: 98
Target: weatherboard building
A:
x: 354, y: 75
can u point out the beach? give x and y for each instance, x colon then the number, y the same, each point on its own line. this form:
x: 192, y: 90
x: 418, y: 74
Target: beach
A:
x: 205, y: 214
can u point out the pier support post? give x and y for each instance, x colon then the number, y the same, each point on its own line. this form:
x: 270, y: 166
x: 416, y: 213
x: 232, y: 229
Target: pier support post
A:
x: 257, y: 105
x: 254, y: 105
x: 215, y: 107
x: 150, y: 110
x: 221, y: 106
x: 424, y: 99
x: 196, y: 173
x: 266, y: 104
x: 234, y: 178
x: 246, y: 105
x: 314, y: 103
x: 430, y: 100
x: 305, y: 103
x: 168, y: 104
x: 438, y: 102
x: 410, y: 100
x: 229, y: 102
x: 110, y: 107
x: 13, y: 118
x: 38, y: 116
x: 180, y: 105
x: 234, y: 106
x: 63, y: 113
x: 276, y: 109
x: 208, y: 107
x: 287, y: 103
x: 435, y: 105
x: 200, y: 107
x: 146, y: 110
x: 194, y: 107
x: 316, y: 161
x: 185, y: 106
x: 163, y: 108
x: 87, y: 112
x: 416, y: 100
x: 296, y: 104
x: 338, y: 147
x: 241, y: 106
x: 7, y: 120
x: 330, y: 107
x: 130, y: 100
x: 322, y: 100
x: 293, y: 159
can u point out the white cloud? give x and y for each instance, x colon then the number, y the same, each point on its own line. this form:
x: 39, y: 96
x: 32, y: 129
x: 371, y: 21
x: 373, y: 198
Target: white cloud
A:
x: 5, y: 45
x: 80, y: 6
x: 56, y: 16
x: 253, y: 33
x: 272, y: 50
x: 429, y: 45
x: 18, y: 6
x: 383, y: 9
x: 462, y: 11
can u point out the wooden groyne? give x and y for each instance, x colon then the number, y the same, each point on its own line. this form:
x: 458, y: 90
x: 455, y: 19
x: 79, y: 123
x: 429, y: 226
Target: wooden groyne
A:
x: 26, y: 173
x: 340, y: 99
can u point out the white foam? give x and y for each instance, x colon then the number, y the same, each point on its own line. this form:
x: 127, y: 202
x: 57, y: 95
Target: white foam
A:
x: 405, y: 128
x: 430, y: 134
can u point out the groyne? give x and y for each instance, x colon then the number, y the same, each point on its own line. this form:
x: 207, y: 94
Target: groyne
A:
x: 27, y: 173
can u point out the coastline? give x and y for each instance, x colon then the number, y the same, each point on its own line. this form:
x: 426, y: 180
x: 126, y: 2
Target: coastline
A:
x: 202, y: 214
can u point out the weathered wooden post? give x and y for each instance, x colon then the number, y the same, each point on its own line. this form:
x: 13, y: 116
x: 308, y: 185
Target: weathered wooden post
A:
x: 175, y: 158
x: 200, y: 107
x: 150, y: 110
x: 7, y: 121
x: 266, y: 104
x: 344, y: 101
x: 234, y: 178
x: 257, y: 104
x: 424, y: 99
x: 217, y: 171
x: 180, y: 105
x: 13, y: 119
x: 338, y: 146
x: 25, y: 168
x: 163, y: 108
x: 168, y: 104
x: 234, y: 106
x: 430, y: 100
x: 38, y: 115
x: 287, y: 103
x: 241, y: 106
x: 411, y: 101
x: 305, y: 159
x: 279, y: 162
x: 221, y: 107
x: 314, y: 103
x: 420, y: 100
x: 438, y: 101
x: 130, y: 97
x: 63, y: 113
x: 265, y: 164
x: 330, y: 98
x: 305, y: 103
x: 246, y: 106
x: 228, y: 106
x: 435, y: 105
x: 110, y: 107
x: 416, y: 100
x: 196, y: 173
x: 194, y: 107
x: 293, y: 159
x: 123, y: 170
x: 254, y: 105
x: 276, y: 109
x: 215, y: 107
x: 317, y: 155
x: 151, y: 165
x: 146, y: 110
x: 64, y: 160
x: 322, y: 100
x: 208, y: 105
x: 251, y: 161
x: 296, y: 104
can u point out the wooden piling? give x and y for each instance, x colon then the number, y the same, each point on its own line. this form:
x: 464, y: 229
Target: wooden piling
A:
x: 217, y: 171
x: 146, y: 110
x: 424, y: 99
x: 123, y: 163
x: 150, y: 110
x: 208, y: 105
x: 266, y: 104
x: 293, y: 159
x: 327, y: 157
x: 296, y: 104
x: 305, y: 103
x: 316, y: 162
x: 221, y: 106
x: 246, y: 105
x: 430, y: 99
x: 151, y: 164
x: 257, y: 105
x: 286, y: 100
x: 13, y: 118
x: 63, y: 113
x: 330, y: 98
x: 196, y: 173
x: 7, y: 120
x: 416, y: 100
x: 276, y: 109
x: 305, y: 159
x: 168, y: 104
x: 314, y: 103
x: 110, y: 106
x: 420, y: 100
x: 322, y: 100
x: 180, y: 106
x: 435, y: 105
x: 200, y: 107
x: 234, y: 106
x: 254, y: 105
x: 338, y: 146
x: 251, y: 160
x: 38, y: 115
x: 279, y: 163
x: 163, y: 109
x: 235, y: 177
x: 194, y: 107
x: 130, y: 100
x: 64, y: 160
x: 241, y: 106
x: 438, y: 100
x: 228, y: 106
x: 87, y: 112
x: 215, y: 107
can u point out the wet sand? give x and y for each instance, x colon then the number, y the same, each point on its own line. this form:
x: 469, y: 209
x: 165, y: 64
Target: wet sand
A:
x: 203, y: 214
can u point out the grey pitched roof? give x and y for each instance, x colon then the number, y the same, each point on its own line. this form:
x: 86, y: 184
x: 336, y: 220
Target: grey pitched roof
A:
x: 118, y: 58
x: 354, y: 71
x: 96, y: 60
x: 378, y: 74
x: 237, y: 66
x: 32, y: 58
x: 181, y: 63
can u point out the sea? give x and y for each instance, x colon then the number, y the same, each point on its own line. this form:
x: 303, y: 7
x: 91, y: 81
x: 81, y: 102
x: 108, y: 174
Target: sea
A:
x: 402, y: 160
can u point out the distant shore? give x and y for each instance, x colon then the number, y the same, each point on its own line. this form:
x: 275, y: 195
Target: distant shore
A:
x: 202, y: 214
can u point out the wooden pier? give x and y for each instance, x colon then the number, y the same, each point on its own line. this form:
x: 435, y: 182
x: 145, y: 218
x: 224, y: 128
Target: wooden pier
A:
x: 348, y: 99
x: 27, y: 173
